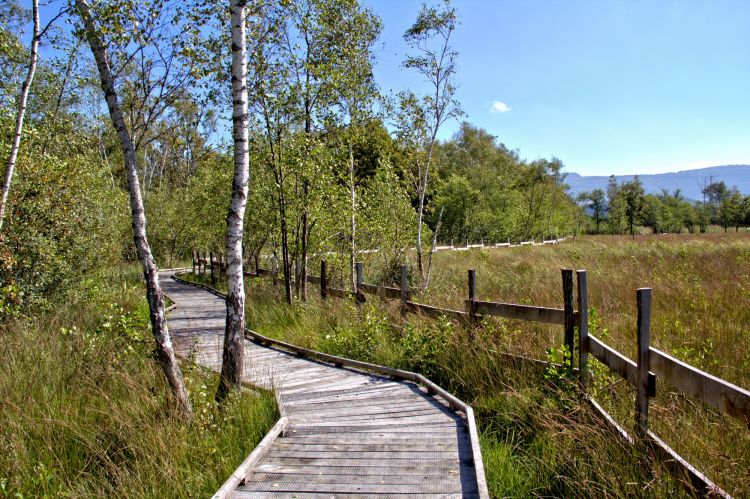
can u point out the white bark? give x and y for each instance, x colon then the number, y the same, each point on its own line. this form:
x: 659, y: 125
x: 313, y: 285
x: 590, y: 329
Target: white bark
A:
x: 164, y: 350
x: 21, y: 112
x: 233, y: 356
x: 432, y: 250
x: 420, y: 208
x: 353, y: 192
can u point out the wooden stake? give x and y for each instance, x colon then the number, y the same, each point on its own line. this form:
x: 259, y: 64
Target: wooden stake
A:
x: 643, y: 296
x: 583, y: 329
x: 569, y: 340
x: 359, y: 293
x: 323, y: 280
x: 404, y: 285
x: 472, y: 290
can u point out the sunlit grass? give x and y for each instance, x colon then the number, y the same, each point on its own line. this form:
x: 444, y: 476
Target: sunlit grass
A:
x: 85, y: 411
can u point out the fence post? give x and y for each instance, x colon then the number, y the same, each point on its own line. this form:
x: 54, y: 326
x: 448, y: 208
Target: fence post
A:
x: 583, y: 329
x: 643, y: 297
x: 567, y: 281
x: 323, y: 280
x: 404, y: 285
x: 359, y: 294
x: 211, y: 255
x: 472, y: 291
x: 193, y: 262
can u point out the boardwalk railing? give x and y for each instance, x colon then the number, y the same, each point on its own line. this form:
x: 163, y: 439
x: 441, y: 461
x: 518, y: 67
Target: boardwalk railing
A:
x: 651, y: 365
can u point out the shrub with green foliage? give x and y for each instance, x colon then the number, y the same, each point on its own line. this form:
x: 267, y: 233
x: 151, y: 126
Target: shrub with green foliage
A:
x: 65, y: 218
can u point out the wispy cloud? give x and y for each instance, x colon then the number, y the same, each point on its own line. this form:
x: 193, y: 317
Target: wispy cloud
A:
x: 499, y: 107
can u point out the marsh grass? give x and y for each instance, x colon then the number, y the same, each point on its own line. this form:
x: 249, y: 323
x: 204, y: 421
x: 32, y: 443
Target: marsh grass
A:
x: 85, y: 411
x: 538, y: 439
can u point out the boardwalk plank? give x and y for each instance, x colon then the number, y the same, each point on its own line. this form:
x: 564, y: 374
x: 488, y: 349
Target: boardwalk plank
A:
x: 350, y: 434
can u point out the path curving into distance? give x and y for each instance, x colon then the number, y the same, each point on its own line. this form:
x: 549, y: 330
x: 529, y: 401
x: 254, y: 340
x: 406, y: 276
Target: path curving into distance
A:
x: 349, y: 433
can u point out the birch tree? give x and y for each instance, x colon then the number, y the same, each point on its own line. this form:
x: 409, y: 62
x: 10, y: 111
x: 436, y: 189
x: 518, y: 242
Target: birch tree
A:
x: 435, y: 60
x: 22, y: 101
x: 233, y: 355
x: 164, y: 350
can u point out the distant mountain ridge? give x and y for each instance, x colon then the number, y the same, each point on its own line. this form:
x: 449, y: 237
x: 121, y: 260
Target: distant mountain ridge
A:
x: 689, y: 182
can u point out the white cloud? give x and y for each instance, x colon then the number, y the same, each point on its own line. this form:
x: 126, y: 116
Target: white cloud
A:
x: 499, y: 107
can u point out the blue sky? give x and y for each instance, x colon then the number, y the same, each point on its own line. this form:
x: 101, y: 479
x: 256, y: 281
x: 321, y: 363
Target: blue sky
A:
x: 609, y: 87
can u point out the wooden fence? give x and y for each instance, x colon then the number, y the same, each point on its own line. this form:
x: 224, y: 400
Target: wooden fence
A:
x: 215, y: 265
x: 650, y: 366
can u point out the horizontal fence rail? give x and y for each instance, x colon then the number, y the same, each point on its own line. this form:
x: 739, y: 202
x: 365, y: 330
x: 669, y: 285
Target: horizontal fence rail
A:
x: 712, y: 391
x: 618, y: 363
x: 519, y: 312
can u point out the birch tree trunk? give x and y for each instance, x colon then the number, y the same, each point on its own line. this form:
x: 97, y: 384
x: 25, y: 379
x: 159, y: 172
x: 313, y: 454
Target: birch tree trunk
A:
x: 232, y: 364
x: 353, y: 249
x: 420, y: 208
x: 22, y: 100
x: 164, y: 350
x: 432, y: 250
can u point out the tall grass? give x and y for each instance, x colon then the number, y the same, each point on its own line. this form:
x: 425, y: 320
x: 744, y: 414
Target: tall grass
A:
x: 537, y: 438
x: 85, y: 411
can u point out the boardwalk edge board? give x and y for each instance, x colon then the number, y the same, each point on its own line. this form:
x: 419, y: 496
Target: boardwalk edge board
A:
x: 236, y: 478
x: 455, y: 404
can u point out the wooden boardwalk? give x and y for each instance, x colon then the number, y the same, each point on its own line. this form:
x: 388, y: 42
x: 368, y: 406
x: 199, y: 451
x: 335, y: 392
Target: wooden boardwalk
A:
x: 349, y: 433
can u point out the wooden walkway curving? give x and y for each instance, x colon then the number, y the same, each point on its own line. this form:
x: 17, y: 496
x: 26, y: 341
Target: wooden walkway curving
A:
x: 349, y: 433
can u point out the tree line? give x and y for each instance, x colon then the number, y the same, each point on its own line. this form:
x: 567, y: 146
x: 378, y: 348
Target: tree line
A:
x: 625, y: 206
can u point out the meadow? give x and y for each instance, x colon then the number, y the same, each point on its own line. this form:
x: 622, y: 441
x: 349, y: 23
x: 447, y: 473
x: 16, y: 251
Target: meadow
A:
x: 537, y: 437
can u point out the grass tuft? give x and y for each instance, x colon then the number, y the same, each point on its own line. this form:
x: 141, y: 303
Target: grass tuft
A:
x: 85, y: 411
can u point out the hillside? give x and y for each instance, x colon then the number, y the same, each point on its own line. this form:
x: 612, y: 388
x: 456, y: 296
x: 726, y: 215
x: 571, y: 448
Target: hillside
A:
x: 688, y: 181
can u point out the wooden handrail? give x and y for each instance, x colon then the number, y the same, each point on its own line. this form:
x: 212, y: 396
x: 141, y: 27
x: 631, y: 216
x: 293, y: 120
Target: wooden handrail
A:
x: 711, y: 390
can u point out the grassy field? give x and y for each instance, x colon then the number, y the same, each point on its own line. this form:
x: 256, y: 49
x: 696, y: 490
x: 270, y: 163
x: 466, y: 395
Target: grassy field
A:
x: 537, y: 438
x: 84, y: 410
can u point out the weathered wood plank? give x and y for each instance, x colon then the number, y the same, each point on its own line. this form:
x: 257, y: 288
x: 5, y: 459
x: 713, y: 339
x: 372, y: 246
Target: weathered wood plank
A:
x: 618, y: 363
x: 431, y: 311
x: 342, y: 469
x: 370, y: 405
x: 322, y: 495
x: 329, y: 478
x: 712, y: 391
x: 382, y: 291
x: 450, y: 463
x: 520, y: 312
x: 280, y: 453
x: 364, y: 412
x: 379, y: 438
x: 426, y: 487
x: 422, y: 445
x: 441, y: 430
